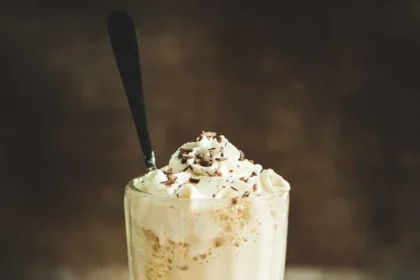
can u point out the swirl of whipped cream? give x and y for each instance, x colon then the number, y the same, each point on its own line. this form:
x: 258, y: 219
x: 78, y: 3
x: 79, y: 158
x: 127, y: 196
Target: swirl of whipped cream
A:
x: 211, y: 167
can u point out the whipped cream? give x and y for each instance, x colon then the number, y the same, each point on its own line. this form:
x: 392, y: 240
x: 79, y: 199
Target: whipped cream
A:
x: 211, y: 167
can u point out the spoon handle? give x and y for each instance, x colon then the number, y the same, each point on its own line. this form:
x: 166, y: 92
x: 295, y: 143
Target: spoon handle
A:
x: 122, y: 33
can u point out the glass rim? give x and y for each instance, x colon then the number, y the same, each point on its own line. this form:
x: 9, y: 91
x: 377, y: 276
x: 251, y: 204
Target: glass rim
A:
x: 130, y: 185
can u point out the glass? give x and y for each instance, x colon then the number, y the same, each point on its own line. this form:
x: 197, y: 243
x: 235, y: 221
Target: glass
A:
x: 205, y: 239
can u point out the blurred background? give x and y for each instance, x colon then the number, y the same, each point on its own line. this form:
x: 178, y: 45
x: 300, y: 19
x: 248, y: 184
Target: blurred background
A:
x: 325, y: 92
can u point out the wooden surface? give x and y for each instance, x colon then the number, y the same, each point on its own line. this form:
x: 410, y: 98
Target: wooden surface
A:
x: 294, y: 273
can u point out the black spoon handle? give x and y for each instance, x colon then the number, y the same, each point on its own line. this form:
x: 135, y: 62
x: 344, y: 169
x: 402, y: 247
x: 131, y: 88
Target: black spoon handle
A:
x: 124, y: 44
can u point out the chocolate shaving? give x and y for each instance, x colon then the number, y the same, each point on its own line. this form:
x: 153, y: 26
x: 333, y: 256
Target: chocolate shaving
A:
x: 234, y: 189
x: 185, y: 169
x: 242, y: 155
x: 253, y: 174
x: 177, y: 195
x: 254, y: 187
x: 221, y: 159
x: 183, y: 161
x: 187, y: 156
x: 170, y: 181
x: 169, y: 171
x: 185, y: 151
x: 206, y: 163
x: 214, y: 195
x: 234, y: 200
x: 211, y: 149
x: 219, y: 139
x: 214, y: 174
x: 194, y: 181
x: 231, y: 171
x: 223, y: 187
x: 242, y: 179
x: 246, y: 194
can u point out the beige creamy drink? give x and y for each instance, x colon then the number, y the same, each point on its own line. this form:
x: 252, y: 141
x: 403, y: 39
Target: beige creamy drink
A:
x: 209, y: 214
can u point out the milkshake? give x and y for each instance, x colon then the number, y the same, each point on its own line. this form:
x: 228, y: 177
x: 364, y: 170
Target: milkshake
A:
x: 210, y: 214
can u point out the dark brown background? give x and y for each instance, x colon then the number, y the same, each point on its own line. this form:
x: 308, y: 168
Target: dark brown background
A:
x: 325, y: 92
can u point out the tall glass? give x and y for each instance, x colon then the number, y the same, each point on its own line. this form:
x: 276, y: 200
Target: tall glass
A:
x: 205, y: 239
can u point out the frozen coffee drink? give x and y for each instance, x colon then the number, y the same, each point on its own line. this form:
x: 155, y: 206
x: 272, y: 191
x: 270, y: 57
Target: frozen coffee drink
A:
x: 210, y: 214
